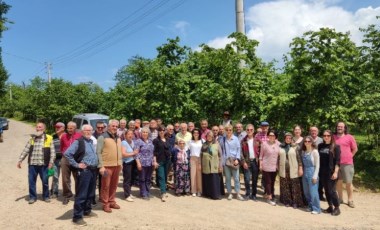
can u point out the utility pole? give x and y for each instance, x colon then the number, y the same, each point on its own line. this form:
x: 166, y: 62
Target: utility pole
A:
x: 48, y: 71
x: 240, y: 25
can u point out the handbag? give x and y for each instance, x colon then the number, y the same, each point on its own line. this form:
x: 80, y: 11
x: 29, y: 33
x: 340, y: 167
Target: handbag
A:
x: 230, y: 162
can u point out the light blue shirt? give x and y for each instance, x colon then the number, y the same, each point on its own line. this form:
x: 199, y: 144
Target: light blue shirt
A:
x: 231, y: 148
x: 128, y: 148
x: 90, y: 157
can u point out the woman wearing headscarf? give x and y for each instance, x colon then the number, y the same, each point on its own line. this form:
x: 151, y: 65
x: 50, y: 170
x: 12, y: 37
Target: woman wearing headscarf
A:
x: 211, y: 161
x: 290, y: 169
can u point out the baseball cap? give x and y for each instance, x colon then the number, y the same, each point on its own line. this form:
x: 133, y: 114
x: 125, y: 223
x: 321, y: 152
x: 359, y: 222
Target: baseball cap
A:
x: 264, y: 123
x: 59, y: 125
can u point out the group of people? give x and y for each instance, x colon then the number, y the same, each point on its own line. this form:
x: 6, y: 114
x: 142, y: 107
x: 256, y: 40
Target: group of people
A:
x: 201, y: 161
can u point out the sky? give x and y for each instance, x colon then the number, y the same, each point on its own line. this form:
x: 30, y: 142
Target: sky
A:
x: 90, y: 40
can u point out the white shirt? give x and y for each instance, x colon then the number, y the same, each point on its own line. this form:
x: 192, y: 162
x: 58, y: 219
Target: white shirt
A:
x: 195, y: 148
x: 251, y: 149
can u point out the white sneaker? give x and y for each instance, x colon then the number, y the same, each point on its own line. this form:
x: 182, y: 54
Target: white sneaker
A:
x: 271, y: 202
x: 129, y: 199
x: 131, y: 196
x: 314, y: 212
x: 199, y: 194
x: 229, y: 197
x: 194, y: 195
x: 239, y: 197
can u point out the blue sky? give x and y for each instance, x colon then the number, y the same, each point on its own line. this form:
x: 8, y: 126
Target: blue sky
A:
x: 89, y: 40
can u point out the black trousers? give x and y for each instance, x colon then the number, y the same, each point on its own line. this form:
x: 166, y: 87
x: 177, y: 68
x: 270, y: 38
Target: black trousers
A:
x: 330, y: 189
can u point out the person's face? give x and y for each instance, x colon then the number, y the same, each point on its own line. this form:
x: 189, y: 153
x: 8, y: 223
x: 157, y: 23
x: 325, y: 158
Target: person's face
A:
x: 131, y: 126
x: 239, y: 128
x: 170, y: 130
x: 144, y: 135
x: 183, y: 129
x: 297, y: 131
x: 153, y: 124
x: 313, y: 132
x: 40, y: 127
x: 191, y: 126
x: 137, y: 124
x: 123, y: 124
x: 204, y: 125
x: 250, y: 130
x: 327, y: 137
x: 271, y: 137
x: 87, y: 132
x: 264, y: 128
x: 71, y: 129
x: 209, y: 137
x: 181, y: 145
x: 145, y: 124
x: 215, y: 131
x: 307, y: 142
x: 112, y: 128
x: 176, y: 126
x: 288, y: 139
x: 259, y: 130
x: 229, y: 132
x: 221, y: 130
x: 162, y: 133
x: 129, y: 136
x: 196, y: 135
x: 100, y: 128
x: 340, y: 128
x: 159, y: 122
x: 226, y: 117
x: 59, y: 129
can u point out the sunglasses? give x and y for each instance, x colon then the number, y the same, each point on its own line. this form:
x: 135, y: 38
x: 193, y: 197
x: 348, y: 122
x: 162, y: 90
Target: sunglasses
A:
x: 100, y: 127
x: 326, y: 135
x: 307, y: 141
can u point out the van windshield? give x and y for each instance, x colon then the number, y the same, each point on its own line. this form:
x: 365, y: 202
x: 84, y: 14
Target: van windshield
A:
x: 94, y: 121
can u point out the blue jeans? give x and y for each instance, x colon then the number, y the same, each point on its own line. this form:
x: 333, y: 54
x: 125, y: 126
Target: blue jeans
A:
x: 311, y: 190
x: 33, y: 172
x: 85, y: 192
x: 57, y: 171
x: 234, y: 173
x: 251, y: 172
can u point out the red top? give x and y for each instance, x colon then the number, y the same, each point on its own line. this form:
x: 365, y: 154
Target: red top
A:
x: 67, y: 140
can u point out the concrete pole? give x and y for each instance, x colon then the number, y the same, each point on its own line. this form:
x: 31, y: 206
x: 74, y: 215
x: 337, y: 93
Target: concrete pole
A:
x: 240, y: 25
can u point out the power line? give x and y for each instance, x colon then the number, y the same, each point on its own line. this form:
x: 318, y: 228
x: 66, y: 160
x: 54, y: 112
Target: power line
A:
x: 93, y: 43
x: 99, y: 49
x: 24, y: 58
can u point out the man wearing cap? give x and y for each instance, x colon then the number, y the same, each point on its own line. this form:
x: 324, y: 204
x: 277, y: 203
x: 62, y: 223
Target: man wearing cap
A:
x: 59, y: 130
x: 226, y: 119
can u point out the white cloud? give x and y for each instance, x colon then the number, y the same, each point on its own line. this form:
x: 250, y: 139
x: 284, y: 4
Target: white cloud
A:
x: 274, y: 24
x: 177, y: 27
x: 181, y: 26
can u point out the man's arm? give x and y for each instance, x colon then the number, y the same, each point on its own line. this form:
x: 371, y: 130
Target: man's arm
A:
x: 69, y: 153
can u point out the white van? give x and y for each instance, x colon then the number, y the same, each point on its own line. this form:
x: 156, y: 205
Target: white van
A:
x: 89, y: 118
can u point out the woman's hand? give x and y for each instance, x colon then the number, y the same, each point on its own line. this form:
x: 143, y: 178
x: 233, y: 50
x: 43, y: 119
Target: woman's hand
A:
x: 300, y: 171
x: 139, y: 167
x: 334, y: 176
x: 314, y: 181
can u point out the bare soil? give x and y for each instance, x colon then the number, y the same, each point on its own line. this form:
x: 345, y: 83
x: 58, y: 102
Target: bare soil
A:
x: 177, y: 213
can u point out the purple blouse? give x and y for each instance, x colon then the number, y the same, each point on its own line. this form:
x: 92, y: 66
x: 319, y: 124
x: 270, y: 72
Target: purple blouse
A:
x: 145, y: 155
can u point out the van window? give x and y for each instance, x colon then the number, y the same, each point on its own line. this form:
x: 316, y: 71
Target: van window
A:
x: 78, y: 122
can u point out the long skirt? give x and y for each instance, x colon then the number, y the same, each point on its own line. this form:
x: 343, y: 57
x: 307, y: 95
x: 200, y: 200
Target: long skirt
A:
x: 290, y: 191
x: 182, y: 176
x: 211, y: 186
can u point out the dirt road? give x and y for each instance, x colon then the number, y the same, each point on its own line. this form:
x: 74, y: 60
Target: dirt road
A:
x: 177, y: 213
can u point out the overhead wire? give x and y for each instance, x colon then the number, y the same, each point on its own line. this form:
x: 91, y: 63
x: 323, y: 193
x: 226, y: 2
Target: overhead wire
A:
x: 93, y: 44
